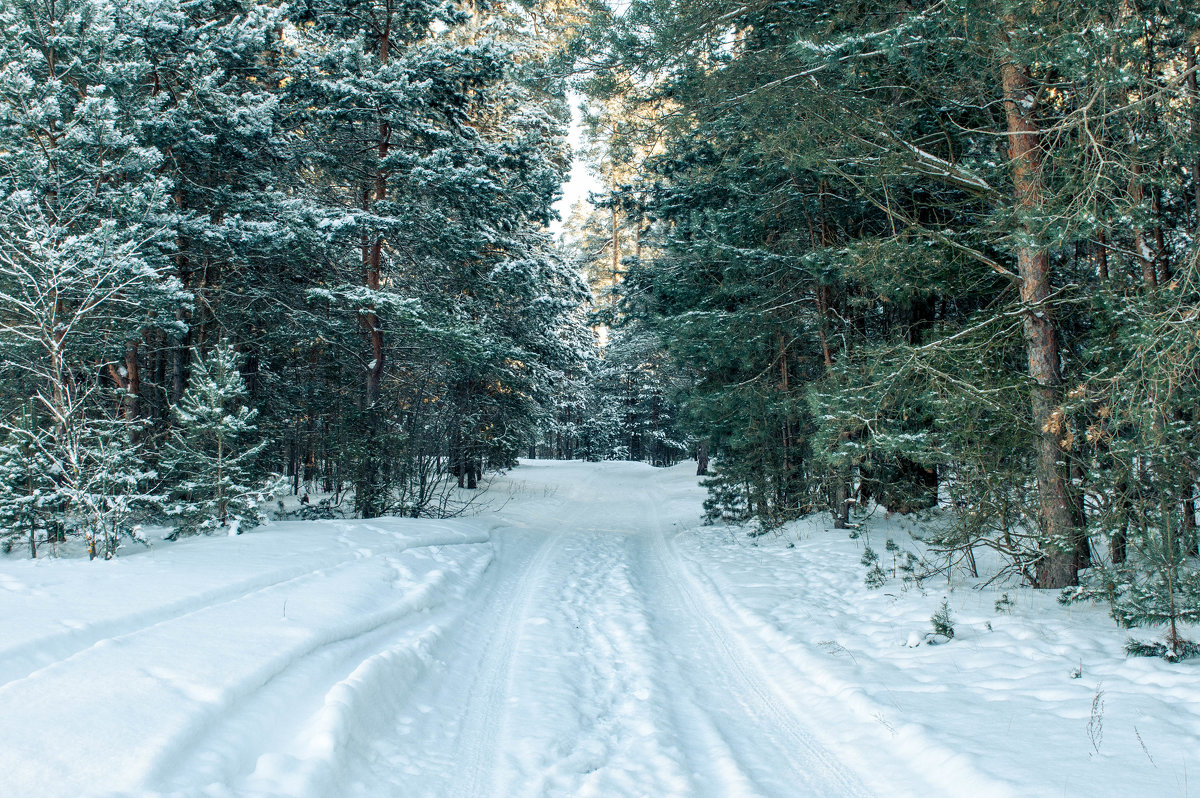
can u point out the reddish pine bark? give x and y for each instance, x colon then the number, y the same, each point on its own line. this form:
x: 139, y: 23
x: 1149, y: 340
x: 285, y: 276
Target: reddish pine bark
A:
x: 1058, y: 565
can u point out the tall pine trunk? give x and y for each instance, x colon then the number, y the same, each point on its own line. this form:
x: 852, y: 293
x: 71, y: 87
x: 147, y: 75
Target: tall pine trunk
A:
x: 373, y: 248
x: 1057, y: 566
x: 371, y: 486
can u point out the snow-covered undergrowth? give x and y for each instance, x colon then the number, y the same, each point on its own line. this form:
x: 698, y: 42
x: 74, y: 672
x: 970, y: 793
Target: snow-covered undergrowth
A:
x: 1028, y: 698
x: 582, y: 635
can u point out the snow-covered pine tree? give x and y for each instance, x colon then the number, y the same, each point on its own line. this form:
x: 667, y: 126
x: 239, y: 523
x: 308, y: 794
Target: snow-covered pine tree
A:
x: 82, y: 268
x: 385, y: 102
x: 633, y: 410
x: 213, y: 111
x: 109, y: 486
x: 524, y: 295
x: 31, y: 499
x: 1145, y: 448
x: 635, y: 385
x: 439, y: 155
x: 567, y: 426
x: 211, y: 457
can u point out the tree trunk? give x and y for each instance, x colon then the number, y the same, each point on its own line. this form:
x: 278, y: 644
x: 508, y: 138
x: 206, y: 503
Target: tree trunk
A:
x: 1057, y: 566
x: 841, y: 500
x: 372, y: 262
x: 133, y: 382
x: 373, y: 252
x: 616, y: 244
x: 179, y: 362
x: 1101, y: 250
x: 1194, y: 89
x: 458, y: 463
x: 1145, y: 257
x: 179, y: 353
x: 1190, y: 540
x: 1083, y: 546
x: 130, y: 383
x: 823, y: 324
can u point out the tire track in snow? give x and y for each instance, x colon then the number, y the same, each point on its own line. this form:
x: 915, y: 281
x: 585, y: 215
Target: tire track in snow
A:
x: 176, y: 663
x: 714, y: 767
x: 354, y: 709
x: 226, y: 744
x: 444, y: 738
x: 49, y: 652
x: 588, y: 717
x: 27, y: 659
x: 488, y: 695
x: 783, y: 756
x: 887, y: 756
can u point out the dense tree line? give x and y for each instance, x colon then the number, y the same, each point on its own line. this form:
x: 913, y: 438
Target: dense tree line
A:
x: 621, y: 401
x: 933, y: 249
x: 241, y: 239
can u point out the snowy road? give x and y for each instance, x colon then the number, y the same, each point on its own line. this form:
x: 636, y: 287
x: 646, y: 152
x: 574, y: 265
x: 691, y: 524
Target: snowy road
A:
x: 581, y: 636
x: 582, y: 665
x: 555, y: 646
x: 603, y: 673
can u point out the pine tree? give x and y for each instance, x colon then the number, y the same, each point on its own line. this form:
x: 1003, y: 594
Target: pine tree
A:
x: 82, y: 229
x: 878, y: 301
x: 31, y: 496
x: 81, y: 214
x: 442, y: 151
x: 211, y: 458
x: 237, y: 235
x: 109, y: 486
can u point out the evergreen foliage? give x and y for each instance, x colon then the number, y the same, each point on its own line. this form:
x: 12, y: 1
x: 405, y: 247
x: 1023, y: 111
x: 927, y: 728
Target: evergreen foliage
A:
x: 942, y: 621
x: 352, y: 196
x: 31, y: 499
x: 932, y: 256
x: 212, y: 457
x: 110, y: 488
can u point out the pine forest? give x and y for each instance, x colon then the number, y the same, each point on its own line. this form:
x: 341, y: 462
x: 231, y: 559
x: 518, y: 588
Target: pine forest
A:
x: 931, y: 260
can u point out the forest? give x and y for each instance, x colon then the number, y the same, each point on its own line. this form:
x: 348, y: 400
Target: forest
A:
x: 939, y: 258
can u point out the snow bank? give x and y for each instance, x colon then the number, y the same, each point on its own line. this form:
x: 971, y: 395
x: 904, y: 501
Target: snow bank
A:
x: 114, y: 675
x: 1037, y: 700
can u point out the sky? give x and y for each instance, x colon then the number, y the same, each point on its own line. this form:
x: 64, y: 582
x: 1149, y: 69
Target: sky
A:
x: 579, y: 181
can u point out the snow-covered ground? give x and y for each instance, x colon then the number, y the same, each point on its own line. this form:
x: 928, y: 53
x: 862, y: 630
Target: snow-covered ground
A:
x: 584, y: 636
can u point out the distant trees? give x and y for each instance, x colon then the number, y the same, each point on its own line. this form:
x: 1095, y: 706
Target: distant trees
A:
x: 620, y: 399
